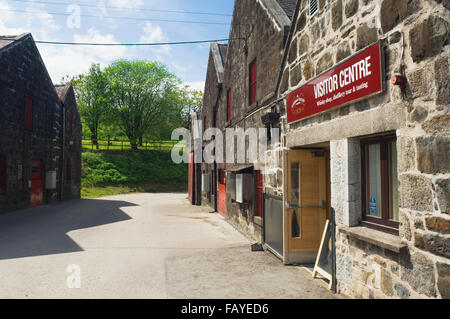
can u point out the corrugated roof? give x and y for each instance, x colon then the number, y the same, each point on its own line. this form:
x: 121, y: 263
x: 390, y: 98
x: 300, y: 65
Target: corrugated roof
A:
x: 288, y: 7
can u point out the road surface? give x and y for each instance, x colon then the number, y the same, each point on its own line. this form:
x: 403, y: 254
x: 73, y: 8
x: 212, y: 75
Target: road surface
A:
x: 138, y: 246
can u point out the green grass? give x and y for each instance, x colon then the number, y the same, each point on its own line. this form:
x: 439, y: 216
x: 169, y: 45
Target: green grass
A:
x: 114, y: 173
x: 125, y: 146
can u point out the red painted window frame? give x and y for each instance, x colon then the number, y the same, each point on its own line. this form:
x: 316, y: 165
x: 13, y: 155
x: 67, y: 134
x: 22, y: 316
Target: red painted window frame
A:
x: 2, y: 174
x: 252, y: 82
x: 229, y: 105
x: 28, y: 113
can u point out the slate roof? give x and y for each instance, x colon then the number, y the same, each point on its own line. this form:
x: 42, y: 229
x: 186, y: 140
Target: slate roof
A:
x: 288, y: 6
x: 60, y: 90
x: 223, y: 48
x: 6, y: 40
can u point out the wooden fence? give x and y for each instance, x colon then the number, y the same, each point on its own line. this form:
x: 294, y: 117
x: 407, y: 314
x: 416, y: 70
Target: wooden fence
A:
x: 123, y: 145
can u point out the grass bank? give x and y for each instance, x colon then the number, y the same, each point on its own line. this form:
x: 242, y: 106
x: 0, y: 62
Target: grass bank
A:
x: 115, y: 173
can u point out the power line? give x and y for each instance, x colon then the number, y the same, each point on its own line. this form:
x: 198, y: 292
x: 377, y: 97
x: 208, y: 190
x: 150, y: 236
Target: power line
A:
x: 133, y: 44
x: 126, y: 8
x: 119, y: 18
x: 125, y: 44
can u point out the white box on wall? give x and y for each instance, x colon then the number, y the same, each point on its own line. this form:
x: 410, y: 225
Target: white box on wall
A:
x: 50, y: 180
x: 232, y: 183
x: 239, y: 188
x: 206, y: 182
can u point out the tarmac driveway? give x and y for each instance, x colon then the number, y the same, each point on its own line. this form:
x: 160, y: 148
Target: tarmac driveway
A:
x: 138, y: 246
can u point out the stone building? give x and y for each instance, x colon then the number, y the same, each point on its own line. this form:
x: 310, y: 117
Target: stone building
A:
x: 210, y: 117
x: 241, y: 88
x: 360, y: 92
x: 40, y: 130
x: 386, y: 150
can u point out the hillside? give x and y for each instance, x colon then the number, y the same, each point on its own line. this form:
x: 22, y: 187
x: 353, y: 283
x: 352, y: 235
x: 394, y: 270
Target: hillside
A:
x: 125, y: 172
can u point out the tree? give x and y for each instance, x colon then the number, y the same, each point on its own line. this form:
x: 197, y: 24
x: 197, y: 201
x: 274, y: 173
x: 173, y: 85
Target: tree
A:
x: 93, y: 99
x: 143, y: 94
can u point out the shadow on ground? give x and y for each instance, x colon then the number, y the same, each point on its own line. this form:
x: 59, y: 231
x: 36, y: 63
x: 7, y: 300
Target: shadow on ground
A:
x: 43, y: 230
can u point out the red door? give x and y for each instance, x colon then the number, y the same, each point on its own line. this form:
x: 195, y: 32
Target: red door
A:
x: 259, y: 192
x: 222, y: 204
x: 37, y: 183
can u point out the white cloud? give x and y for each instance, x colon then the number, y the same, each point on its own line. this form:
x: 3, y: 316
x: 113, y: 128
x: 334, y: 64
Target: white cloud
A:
x: 154, y: 34
x: 42, y: 23
x: 126, y: 3
x: 73, y: 60
x: 196, y: 85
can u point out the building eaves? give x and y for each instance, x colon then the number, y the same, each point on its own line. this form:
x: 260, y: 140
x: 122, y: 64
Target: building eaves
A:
x: 223, y: 48
x: 276, y: 11
x: 288, y: 7
x: 7, y: 40
x: 218, y: 61
x: 62, y: 90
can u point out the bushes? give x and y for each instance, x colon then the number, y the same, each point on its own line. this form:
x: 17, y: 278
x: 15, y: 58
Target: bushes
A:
x: 128, y: 168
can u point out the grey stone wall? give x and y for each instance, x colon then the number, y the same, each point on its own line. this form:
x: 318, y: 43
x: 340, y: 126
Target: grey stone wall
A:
x: 72, y: 145
x: 210, y: 96
x: 24, y: 75
x: 266, y: 31
x: 420, y: 118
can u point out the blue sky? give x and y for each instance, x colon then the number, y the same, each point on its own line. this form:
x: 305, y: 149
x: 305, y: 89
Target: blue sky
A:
x: 42, y: 18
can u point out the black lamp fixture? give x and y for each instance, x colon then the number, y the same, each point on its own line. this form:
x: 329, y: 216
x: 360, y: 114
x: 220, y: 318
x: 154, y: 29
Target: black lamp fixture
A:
x: 269, y: 119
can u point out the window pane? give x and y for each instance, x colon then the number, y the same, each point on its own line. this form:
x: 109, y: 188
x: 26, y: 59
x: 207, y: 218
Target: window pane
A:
x: 374, y: 198
x: 393, y: 214
x: 295, y: 198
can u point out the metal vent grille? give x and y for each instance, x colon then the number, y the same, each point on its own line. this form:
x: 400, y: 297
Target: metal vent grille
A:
x: 313, y: 7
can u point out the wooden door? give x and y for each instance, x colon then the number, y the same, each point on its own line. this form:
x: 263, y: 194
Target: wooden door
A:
x: 37, y: 183
x: 222, y: 194
x: 259, y: 193
x: 305, y: 204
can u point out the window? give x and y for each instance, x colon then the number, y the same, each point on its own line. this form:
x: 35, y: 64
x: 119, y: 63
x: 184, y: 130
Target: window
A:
x: 252, y: 82
x: 68, y: 170
x: 69, y: 120
x: 313, y: 7
x: 2, y: 174
x: 380, y: 183
x: 229, y: 105
x: 28, y: 113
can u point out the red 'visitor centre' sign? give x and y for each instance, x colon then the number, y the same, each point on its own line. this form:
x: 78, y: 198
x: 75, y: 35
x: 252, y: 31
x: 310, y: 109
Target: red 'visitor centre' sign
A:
x: 354, y: 79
